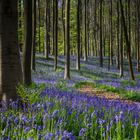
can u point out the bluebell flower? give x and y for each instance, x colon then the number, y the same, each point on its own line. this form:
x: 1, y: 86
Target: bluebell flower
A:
x: 55, y: 113
x: 39, y: 127
x: 30, y: 138
x: 16, y: 120
x: 82, y: 132
x: 135, y: 124
x: 117, y: 118
x: 39, y: 136
x: 48, y: 136
x: 27, y: 129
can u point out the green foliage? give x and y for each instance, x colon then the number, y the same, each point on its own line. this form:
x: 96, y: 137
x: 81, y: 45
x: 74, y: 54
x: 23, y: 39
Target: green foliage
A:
x: 84, y: 83
x: 132, y: 96
x: 30, y: 94
x: 88, y: 75
x: 128, y: 83
x: 61, y: 85
x: 42, y: 38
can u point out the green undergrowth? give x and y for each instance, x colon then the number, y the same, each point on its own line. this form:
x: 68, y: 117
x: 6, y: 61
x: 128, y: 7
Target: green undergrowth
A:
x: 61, y: 85
x: 128, y: 83
x: 129, y: 95
x: 30, y: 94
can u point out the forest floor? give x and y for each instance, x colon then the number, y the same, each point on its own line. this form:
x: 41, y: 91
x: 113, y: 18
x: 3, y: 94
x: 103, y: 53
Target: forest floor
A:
x: 94, y: 104
x: 90, y: 79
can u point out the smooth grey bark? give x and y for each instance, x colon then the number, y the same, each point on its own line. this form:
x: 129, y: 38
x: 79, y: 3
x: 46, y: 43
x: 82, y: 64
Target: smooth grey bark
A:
x: 101, y: 44
x: 78, y: 35
x: 39, y: 24
x: 34, y: 36
x: 63, y: 23
x: 56, y: 35
x: 67, y: 40
x: 121, y: 49
x: 111, y: 35
x: 47, y: 33
x: 53, y: 41
x: 10, y: 64
x: 138, y: 35
x: 95, y: 27
x: 85, y: 31
x: 118, y: 35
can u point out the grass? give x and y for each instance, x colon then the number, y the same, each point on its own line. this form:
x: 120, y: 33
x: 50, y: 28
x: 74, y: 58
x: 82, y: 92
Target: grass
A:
x: 128, y: 83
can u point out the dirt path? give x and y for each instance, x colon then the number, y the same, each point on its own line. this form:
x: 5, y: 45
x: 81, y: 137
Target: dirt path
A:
x: 103, y: 94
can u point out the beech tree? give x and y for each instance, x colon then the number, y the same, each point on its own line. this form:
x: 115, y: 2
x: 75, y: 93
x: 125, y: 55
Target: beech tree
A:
x: 55, y: 33
x: 10, y: 65
x: 127, y: 42
x: 101, y: 45
x: 78, y: 35
x: 34, y: 35
x: 67, y: 40
x: 28, y: 42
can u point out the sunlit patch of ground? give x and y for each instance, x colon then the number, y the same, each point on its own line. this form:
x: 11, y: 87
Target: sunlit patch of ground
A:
x: 86, y: 89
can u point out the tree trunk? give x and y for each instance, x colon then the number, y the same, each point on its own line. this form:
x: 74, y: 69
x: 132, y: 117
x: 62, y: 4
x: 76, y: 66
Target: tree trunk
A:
x: 127, y: 43
x: 138, y: 35
x: 28, y: 43
x: 111, y: 40
x: 95, y: 28
x: 20, y: 33
x: 121, y: 49
x: 78, y: 35
x: 53, y: 49
x: 39, y: 46
x: 34, y: 37
x: 56, y: 35
x: 63, y: 23
x: 85, y: 31
x: 101, y: 45
x: 67, y: 40
x: 47, y: 33
x: 118, y: 35
x: 10, y: 64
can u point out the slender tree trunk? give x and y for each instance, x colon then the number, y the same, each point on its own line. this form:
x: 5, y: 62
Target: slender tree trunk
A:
x: 53, y: 27
x: 10, y: 64
x: 20, y: 33
x: 88, y: 28
x: 49, y: 27
x: 47, y: 34
x: 34, y: 36
x: 95, y: 28
x: 127, y: 43
x: 121, y: 49
x: 28, y: 43
x: 63, y: 23
x: 85, y: 31
x: 47, y: 30
x: 67, y: 40
x: 39, y: 18
x: 56, y: 35
x: 101, y: 45
x: 118, y: 34
x: 78, y: 35
x: 111, y: 40
x: 129, y: 24
x: 138, y: 35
